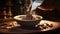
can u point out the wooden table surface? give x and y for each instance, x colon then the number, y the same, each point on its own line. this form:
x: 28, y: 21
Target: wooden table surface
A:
x: 20, y: 30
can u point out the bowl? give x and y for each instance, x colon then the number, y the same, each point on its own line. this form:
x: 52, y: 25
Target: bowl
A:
x: 28, y: 23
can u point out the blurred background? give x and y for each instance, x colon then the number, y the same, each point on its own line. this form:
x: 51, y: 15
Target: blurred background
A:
x: 49, y: 9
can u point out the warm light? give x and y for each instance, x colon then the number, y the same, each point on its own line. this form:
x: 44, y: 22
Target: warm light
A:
x: 50, y: 25
x: 9, y: 24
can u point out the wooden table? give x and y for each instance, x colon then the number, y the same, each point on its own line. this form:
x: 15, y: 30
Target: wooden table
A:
x: 20, y: 30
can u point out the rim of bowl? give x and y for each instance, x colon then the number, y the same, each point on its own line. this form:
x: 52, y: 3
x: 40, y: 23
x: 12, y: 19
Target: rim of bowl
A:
x: 17, y: 18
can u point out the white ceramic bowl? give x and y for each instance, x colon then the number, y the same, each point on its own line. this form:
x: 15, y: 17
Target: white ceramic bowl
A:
x: 29, y: 23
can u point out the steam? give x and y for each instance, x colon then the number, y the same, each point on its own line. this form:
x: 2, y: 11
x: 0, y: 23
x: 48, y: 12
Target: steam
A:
x: 36, y: 3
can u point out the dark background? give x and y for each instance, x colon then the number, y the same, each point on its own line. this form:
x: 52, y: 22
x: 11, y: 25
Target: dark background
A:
x: 19, y: 8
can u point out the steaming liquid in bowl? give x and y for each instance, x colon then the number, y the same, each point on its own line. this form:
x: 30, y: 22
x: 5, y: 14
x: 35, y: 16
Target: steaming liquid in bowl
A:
x: 28, y: 17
